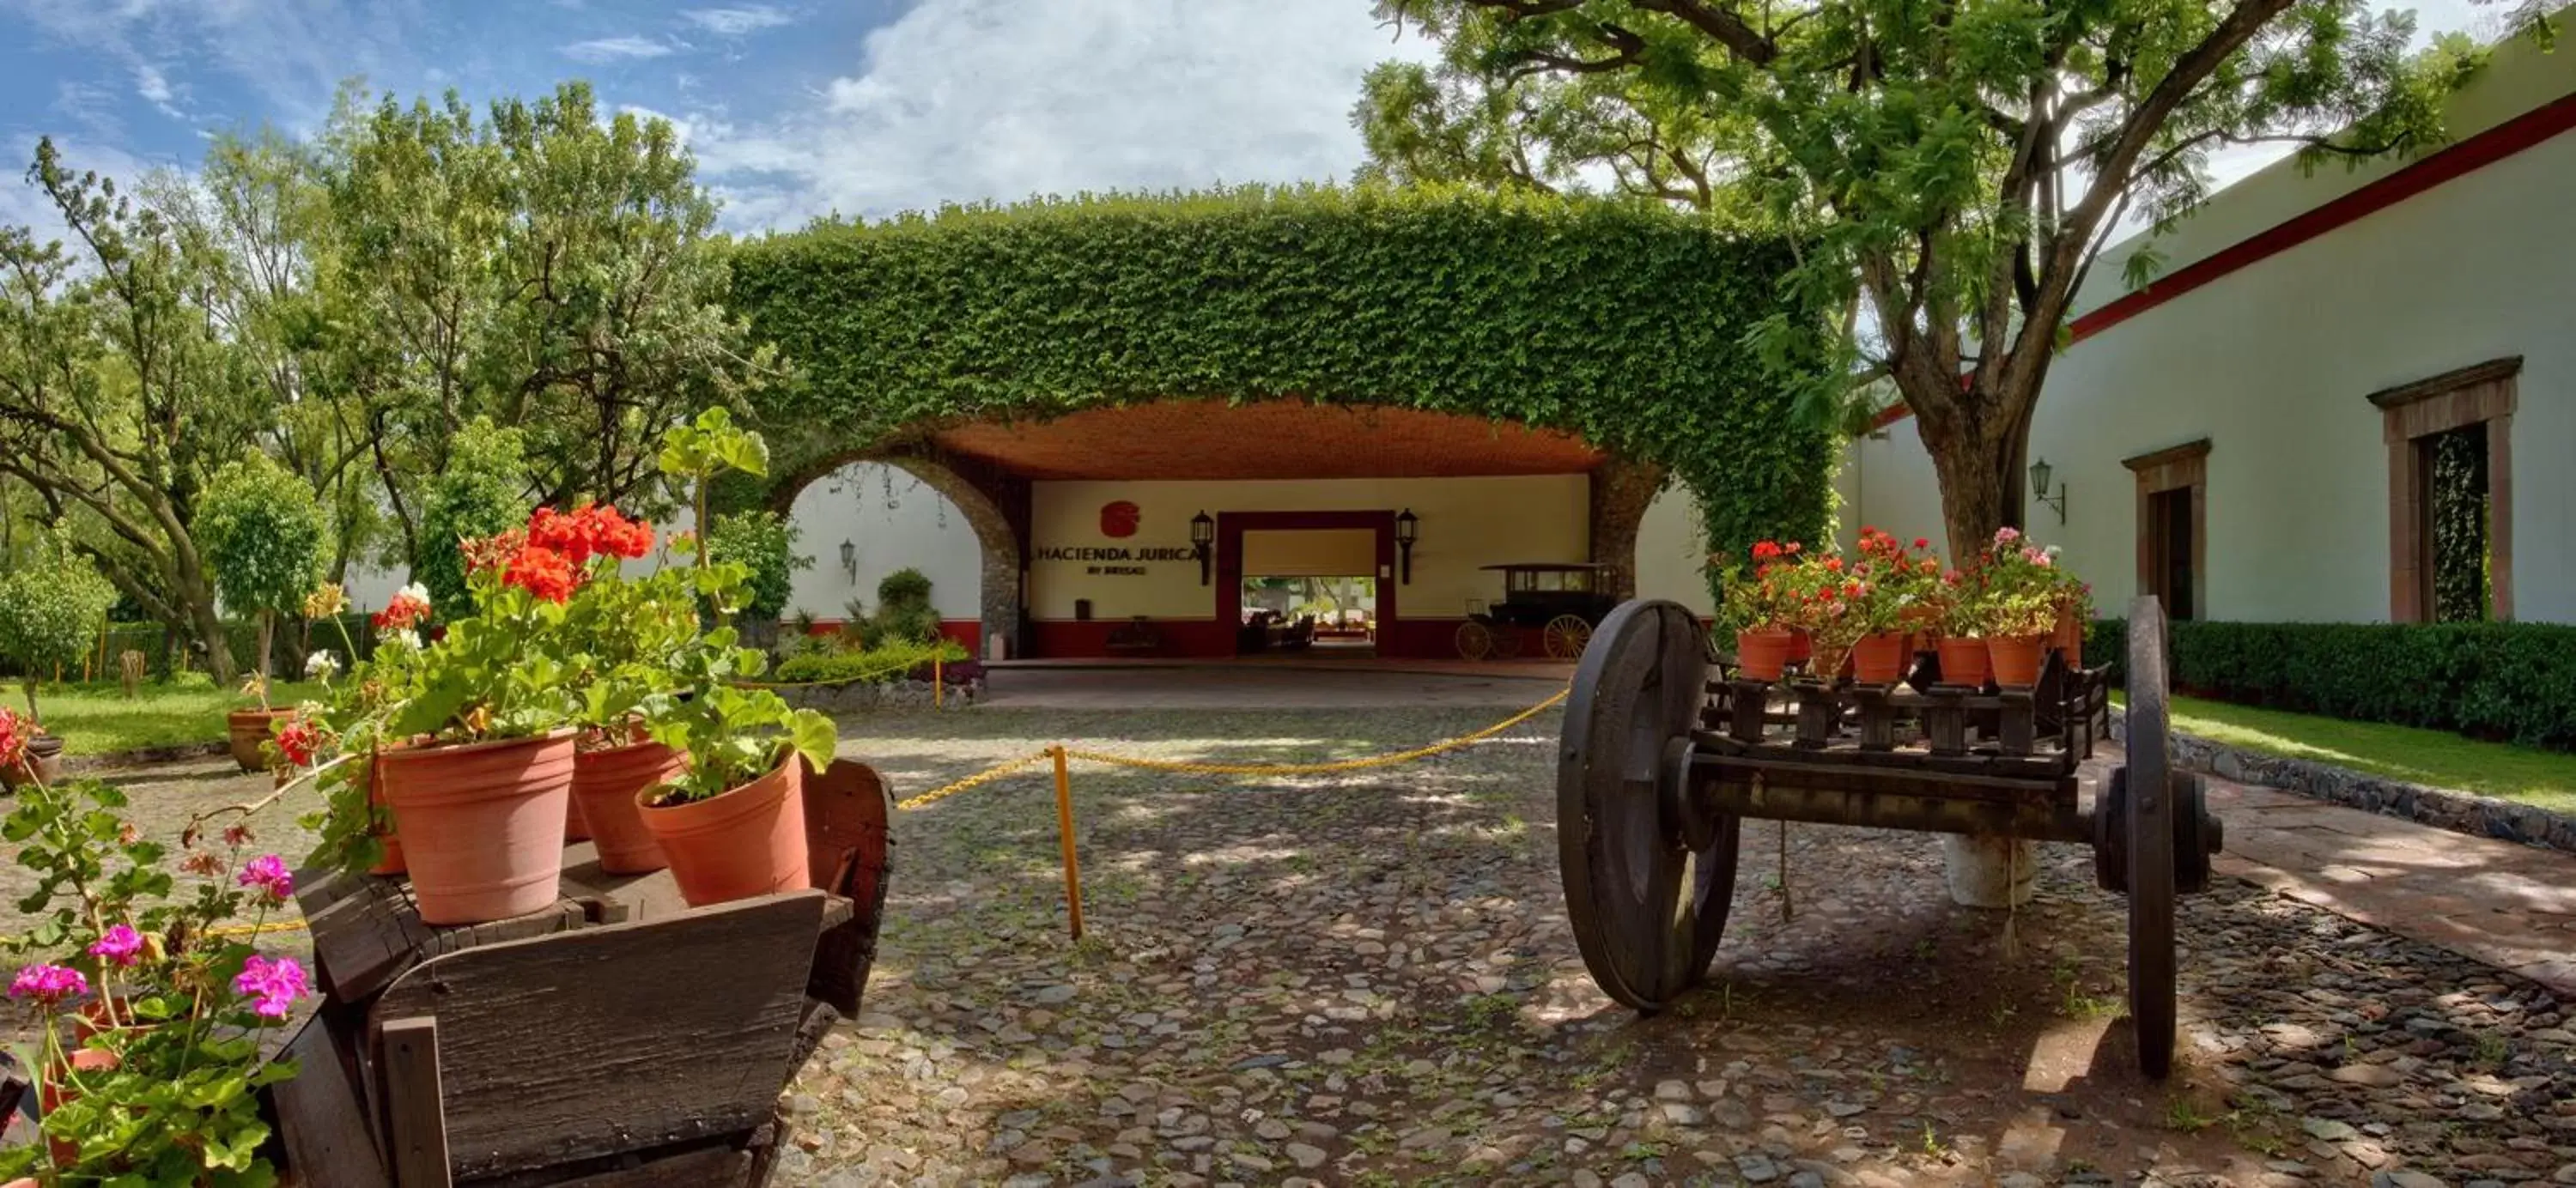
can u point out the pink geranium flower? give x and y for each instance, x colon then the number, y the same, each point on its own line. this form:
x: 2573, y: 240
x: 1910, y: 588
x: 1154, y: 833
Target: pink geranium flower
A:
x: 269, y: 873
x: 119, y: 945
x: 275, y: 984
x: 48, y: 984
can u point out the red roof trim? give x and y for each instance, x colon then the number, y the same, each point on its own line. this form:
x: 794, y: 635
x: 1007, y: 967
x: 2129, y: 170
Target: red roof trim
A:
x: 2454, y: 161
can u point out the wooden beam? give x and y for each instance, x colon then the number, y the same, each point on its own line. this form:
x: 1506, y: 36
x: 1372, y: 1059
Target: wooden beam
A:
x: 415, y: 1116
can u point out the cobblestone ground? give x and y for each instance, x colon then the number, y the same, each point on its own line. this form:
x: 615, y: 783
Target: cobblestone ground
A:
x: 1368, y: 979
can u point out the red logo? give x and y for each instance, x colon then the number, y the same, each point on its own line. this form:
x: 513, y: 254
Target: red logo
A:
x: 1118, y: 520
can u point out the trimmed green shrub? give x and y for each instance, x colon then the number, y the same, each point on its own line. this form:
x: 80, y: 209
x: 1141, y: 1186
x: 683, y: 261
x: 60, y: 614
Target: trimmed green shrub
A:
x: 483, y: 490
x: 1621, y: 321
x: 765, y: 543
x: 51, y: 609
x: 880, y: 665
x: 264, y: 532
x: 2513, y: 682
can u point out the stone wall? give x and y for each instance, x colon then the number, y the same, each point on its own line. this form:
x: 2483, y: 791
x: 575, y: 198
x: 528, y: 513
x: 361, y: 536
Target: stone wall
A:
x: 2442, y: 808
x: 870, y: 695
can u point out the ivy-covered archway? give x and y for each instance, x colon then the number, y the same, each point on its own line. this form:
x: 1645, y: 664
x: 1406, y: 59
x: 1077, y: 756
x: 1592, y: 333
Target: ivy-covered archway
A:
x: 1621, y: 322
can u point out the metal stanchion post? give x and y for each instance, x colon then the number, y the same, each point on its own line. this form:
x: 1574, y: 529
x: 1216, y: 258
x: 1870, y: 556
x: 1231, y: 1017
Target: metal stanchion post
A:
x: 1064, y: 828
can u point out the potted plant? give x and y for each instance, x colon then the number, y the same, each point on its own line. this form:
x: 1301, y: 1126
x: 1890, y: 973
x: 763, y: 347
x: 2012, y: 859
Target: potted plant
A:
x: 1752, y: 605
x: 1962, y: 646
x: 265, y: 535
x: 623, y: 645
x: 479, y: 783
x: 51, y: 608
x: 2074, y: 613
x: 145, y: 1019
x: 1894, y: 592
x: 2018, y: 602
x: 732, y: 822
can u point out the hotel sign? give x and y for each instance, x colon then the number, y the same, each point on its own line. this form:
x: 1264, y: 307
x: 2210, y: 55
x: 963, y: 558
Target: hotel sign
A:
x: 1114, y: 560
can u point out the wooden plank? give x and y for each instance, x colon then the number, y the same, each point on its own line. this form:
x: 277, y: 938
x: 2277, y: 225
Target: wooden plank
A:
x: 1860, y: 778
x: 414, y: 1102
x: 365, y: 939
x: 703, y: 1167
x: 1750, y: 707
x: 321, y: 1117
x: 1816, y: 712
x: 623, y: 1038
x: 2017, y: 734
x: 1877, y: 720
x: 2045, y: 820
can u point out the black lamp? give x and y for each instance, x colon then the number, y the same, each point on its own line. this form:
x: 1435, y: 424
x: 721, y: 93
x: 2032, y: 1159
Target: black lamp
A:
x: 850, y: 561
x: 1407, y: 526
x: 1202, y: 534
x: 2039, y: 472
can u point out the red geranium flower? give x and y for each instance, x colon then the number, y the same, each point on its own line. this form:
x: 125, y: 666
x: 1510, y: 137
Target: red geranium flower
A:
x: 299, y: 740
x: 542, y: 571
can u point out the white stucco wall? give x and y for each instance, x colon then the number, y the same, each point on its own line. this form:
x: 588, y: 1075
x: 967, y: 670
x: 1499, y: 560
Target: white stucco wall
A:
x: 2272, y: 364
x: 895, y: 522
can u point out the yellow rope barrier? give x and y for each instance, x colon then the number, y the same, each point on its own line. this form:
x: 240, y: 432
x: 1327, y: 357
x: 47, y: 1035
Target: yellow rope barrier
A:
x: 270, y: 928
x: 977, y: 780
x: 1327, y: 768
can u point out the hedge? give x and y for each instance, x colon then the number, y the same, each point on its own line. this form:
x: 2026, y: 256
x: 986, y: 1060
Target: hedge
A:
x: 1622, y: 322
x: 882, y: 665
x: 2512, y: 682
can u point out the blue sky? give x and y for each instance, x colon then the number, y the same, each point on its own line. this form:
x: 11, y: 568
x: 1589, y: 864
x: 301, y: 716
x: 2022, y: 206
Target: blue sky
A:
x: 794, y: 108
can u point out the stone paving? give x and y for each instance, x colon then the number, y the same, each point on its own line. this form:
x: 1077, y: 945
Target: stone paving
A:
x: 1369, y: 980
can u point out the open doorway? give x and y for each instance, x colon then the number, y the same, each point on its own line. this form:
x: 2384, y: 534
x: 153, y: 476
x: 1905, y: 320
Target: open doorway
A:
x: 1307, y: 590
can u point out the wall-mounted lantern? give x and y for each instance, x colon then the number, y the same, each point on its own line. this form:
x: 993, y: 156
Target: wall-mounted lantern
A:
x: 1407, y: 526
x: 1203, y: 535
x: 850, y: 561
x: 2039, y: 472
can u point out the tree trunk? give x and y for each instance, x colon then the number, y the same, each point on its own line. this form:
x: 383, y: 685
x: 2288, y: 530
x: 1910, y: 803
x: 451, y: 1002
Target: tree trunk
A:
x: 210, y: 632
x: 32, y: 715
x: 261, y: 669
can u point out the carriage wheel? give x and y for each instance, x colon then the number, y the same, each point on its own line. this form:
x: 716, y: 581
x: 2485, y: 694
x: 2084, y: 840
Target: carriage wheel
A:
x: 1475, y: 641
x: 2149, y: 838
x: 1648, y: 879
x: 1565, y: 637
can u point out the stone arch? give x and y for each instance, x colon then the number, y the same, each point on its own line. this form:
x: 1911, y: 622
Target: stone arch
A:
x: 994, y: 504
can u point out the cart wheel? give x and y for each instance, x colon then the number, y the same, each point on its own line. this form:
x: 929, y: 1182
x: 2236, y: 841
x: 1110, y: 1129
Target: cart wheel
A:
x: 1566, y: 635
x: 1475, y: 641
x: 1648, y: 879
x: 2149, y: 836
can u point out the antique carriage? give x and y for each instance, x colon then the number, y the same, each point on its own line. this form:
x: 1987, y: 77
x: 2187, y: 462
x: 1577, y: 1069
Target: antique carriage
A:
x: 1560, y: 601
x: 1660, y: 766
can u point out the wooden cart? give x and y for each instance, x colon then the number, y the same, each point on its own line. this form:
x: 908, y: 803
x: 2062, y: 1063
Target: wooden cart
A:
x: 1558, y: 600
x: 618, y: 1038
x: 1661, y: 766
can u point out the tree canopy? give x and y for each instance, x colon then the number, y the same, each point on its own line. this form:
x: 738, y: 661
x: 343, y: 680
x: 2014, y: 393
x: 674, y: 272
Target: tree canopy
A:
x: 1952, y: 169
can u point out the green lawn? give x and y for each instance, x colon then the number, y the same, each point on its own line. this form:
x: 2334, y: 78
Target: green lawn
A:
x: 98, y: 720
x: 2438, y: 758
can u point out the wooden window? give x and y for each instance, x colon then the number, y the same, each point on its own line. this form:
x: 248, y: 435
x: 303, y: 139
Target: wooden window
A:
x: 2463, y: 418
x: 2173, y: 527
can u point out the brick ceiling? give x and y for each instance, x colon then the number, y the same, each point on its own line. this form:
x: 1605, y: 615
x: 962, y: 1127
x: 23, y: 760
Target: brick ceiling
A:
x: 1268, y: 440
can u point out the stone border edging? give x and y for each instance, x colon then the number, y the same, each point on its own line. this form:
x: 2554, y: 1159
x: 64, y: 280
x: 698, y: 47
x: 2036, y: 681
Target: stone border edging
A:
x: 2442, y: 808
x: 144, y: 755
x: 851, y: 696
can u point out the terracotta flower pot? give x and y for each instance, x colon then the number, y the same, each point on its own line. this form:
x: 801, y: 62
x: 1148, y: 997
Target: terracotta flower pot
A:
x: 2017, y: 659
x: 744, y: 842
x: 391, y: 838
x: 45, y: 755
x: 1964, y: 661
x: 1881, y: 657
x: 247, y: 730
x: 604, y: 786
x: 1760, y: 655
x: 54, y: 1090
x: 2070, y: 638
x: 1802, y: 645
x: 482, y: 824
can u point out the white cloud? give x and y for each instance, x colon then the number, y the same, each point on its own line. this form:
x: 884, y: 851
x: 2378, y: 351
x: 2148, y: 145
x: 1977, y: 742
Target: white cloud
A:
x: 612, y: 49
x: 964, y: 100
x: 735, y: 22
x: 154, y: 87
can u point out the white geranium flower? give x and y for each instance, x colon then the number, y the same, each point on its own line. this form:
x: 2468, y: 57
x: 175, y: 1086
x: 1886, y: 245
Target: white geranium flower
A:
x: 406, y: 637
x: 321, y: 666
x: 415, y: 592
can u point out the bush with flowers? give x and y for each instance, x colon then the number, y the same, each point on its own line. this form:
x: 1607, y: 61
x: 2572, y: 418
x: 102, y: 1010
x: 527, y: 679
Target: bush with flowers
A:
x: 147, y: 1013
x: 2020, y: 590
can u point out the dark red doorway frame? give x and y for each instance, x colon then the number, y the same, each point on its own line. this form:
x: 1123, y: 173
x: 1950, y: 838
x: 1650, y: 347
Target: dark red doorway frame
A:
x: 1230, y: 527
